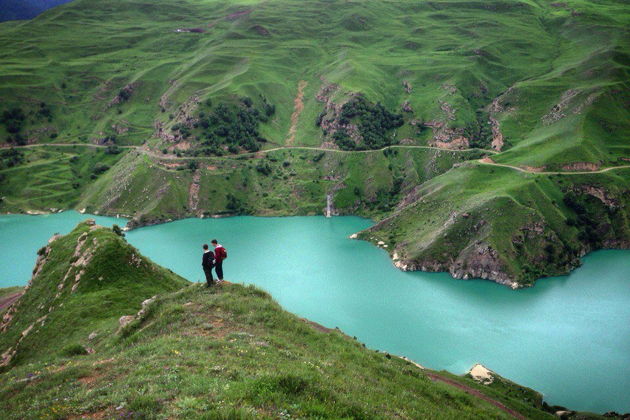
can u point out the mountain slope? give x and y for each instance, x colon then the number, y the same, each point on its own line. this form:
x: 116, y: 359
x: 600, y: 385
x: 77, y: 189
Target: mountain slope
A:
x: 81, y: 281
x: 192, y: 352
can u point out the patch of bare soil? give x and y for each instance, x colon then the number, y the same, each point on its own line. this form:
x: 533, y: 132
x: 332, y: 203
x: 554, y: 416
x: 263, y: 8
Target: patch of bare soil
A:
x: 581, y: 166
x: 261, y: 30
x: 497, y: 136
x: 193, y: 191
x: 89, y: 380
x: 101, y: 414
x: 446, y: 140
x: 8, y: 300
x: 298, y: 106
x: 172, y: 165
x: 318, y: 327
x: 237, y: 15
x: 533, y: 168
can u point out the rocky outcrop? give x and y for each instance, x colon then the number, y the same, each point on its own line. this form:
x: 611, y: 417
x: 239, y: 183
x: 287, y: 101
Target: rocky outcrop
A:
x: 481, y: 374
x: 481, y: 263
x: 599, y: 193
x: 581, y: 166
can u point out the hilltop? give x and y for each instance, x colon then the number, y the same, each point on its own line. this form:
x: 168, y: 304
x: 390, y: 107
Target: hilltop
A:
x: 102, y: 332
x: 486, y: 138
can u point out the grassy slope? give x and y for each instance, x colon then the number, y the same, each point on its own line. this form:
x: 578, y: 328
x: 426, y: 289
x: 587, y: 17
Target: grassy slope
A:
x: 298, y: 182
x: 109, y: 278
x: 464, y: 54
x: 51, y: 177
x: 554, y: 76
x: 458, y: 221
x: 229, y: 352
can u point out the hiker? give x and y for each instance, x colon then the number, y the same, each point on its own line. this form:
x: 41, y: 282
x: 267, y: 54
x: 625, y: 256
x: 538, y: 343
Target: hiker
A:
x: 207, y: 262
x: 219, y: 255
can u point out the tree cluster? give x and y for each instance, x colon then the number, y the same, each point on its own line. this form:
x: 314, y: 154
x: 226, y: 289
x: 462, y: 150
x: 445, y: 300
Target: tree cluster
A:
x: 10, y: 157
x: 374, y: 122
x: 479, y: 131
x: 593, y: 219
x: 14, y: 119
x: 234, y: 126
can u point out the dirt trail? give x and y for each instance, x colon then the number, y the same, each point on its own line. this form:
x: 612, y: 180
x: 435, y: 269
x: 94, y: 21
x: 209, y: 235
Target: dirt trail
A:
x: 8, y: 300
x: 484, y: 161
x: 531, y: 170
x: 476, y: 393
x: 298, y: 106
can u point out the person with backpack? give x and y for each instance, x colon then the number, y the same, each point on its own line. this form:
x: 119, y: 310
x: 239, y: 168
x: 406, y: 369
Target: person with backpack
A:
x: 220, y: 254
x: 207, y: 262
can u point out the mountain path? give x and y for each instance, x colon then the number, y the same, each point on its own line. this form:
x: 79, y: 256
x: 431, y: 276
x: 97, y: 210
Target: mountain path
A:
x: 529, y: 171
x: 147, y: 151
x: 476, y: 393
x: 8, y: 300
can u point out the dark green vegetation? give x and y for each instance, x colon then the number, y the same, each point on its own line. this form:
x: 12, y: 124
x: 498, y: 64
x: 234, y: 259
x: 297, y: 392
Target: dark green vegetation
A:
x: 544, y: 84
x: 234, y: 126
x: 192, y: 352
x: 369, y: 123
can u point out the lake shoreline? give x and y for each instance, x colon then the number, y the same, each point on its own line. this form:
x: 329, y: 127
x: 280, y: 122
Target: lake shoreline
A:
x: 316, y: 270
x: 497, y: 276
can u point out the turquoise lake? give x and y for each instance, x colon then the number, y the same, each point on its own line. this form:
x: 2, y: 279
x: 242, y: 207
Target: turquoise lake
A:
x: 568, y: 337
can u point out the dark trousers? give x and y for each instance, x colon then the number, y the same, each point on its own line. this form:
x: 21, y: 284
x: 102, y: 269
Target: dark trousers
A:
x: 218, y: 267
x: 208, y: 272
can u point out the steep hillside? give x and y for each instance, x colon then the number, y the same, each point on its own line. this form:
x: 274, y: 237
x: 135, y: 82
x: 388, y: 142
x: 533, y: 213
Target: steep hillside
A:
x: 206, y: 107
x: 90, y: 343
x: 81, y: 281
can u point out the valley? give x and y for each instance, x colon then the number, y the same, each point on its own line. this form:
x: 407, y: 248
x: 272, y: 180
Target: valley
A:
x: 384, y: 107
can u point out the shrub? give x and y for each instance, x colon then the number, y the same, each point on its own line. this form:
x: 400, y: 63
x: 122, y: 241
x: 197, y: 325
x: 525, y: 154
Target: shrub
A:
x: 118, y: 231
x: 74, y: 350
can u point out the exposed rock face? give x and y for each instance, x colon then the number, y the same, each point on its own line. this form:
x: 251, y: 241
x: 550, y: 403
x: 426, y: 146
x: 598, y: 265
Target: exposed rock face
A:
x: 557, y: 112
x: 330, y: 121
x: 481, y: 374
x: 497, y: 136
x: 482, y: 262
x: 598, y: 193
x: 193, y: 191
x: 581, y: 166
x: 125, y: 320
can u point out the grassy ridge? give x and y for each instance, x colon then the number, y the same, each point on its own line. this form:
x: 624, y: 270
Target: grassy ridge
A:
x: 226, y: 352
x: 85, y: 279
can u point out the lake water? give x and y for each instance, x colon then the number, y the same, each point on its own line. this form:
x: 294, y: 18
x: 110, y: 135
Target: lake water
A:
x: 568, y: 337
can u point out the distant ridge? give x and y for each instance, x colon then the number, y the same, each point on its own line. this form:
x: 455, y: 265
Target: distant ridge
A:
x: 26, y: 9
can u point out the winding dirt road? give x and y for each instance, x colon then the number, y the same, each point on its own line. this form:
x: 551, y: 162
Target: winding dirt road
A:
x: 154, y: 154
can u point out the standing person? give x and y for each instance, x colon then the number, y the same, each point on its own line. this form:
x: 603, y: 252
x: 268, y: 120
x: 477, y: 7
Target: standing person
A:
x: 207, y: 262
x: 220, y: 254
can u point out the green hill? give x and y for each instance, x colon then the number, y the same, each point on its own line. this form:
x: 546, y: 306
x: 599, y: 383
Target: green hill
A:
x: 193, y: 352
x: 197, y: 107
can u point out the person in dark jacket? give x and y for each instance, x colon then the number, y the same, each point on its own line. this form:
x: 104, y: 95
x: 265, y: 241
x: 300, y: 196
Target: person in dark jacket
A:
x: 207, y: 262
x: 219, y: 255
